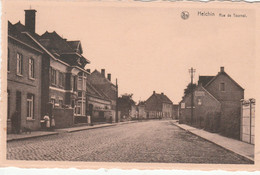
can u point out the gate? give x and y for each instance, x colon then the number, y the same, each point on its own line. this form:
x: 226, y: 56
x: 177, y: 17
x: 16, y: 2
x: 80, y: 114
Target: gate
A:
x: 247, y: 128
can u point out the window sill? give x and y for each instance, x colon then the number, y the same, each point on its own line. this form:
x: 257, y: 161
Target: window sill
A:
x: 30, y: 78
x: 19, y: 75
x: 30, y: 119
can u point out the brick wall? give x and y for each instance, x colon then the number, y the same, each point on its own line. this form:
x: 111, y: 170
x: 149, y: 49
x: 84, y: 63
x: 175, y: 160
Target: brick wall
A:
x: 206, y: 112
x: 63, y: 117
x: 24, y: 84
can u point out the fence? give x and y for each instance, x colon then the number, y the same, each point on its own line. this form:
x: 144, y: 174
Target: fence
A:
x: 247, y: 129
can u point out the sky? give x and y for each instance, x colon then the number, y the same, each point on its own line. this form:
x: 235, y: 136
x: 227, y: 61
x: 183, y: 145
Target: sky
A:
x: 151, y: 48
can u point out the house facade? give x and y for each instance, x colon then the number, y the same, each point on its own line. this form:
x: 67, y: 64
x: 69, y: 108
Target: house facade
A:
x: 206, y: 110
x: 228, y: 93
x: 49, y: 74
x: 158, y: 106
x: 104, y: 85
x: 99, y: 106
x: 23, y: 78
x: 141, y: 110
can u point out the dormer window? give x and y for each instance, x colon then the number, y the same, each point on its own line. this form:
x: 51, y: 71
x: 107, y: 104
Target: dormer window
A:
x: 222, y: 87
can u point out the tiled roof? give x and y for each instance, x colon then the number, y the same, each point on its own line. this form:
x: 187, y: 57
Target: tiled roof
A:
x: 205, y: 79
x: 60, y: 46
x: 76, y: 46
x: 223, y: 73
x: 56, y: 43
x: 16, y: 31
x: 162, y: 98
x: 95, y: 92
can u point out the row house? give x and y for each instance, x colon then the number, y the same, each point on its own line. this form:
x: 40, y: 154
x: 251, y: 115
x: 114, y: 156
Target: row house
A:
x: 158, y: 106
x: 217, y: 105
x: 44, y: 72
x: 99, y: 105
x: 104, y: 85
x: 24, y: 61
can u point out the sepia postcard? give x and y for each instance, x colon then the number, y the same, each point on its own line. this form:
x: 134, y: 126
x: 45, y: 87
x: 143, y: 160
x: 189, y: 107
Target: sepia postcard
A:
x: 130, y: 85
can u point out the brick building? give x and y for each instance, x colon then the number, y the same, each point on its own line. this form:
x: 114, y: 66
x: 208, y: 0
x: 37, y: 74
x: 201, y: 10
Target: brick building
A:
x: 24, y: 77
x: 46, y: 71
x: 104, y: 85
x: 99, y: 105
x: 228, y: 93
x: 158, y: 106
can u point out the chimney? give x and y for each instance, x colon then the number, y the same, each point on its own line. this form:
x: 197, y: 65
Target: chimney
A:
x: 30, y: 20
x: 88, y: 70
x: 162, y: 93
x: 153, y: 92
x: 221, y: 69
x: 103, y: 72
x: 109, y: 77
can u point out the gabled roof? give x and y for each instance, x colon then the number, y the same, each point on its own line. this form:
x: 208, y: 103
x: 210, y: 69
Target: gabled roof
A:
x: 223, y: 73
x: 100, y: 75
x: 62, y: 48
x: 76, y: 46
x: 95, y: 92
x: 15, y: 31
x: 56, y: 43
x: 162, y: 98
x: 205, y: 79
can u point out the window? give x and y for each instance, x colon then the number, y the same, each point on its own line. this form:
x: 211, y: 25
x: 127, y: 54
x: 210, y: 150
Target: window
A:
x: 222, y: 86
x: 53, y: 102
x: 60, y: 103
x: 74, y: 83
x: 80, y: 83
x: 199, y: 101
x: 53, y: 77
x: 31, y: 68
x: 61, y: 79
x: 80, y: 94
x: 8, y: 60
x: 30, y: 106
x: 80, y: 108
x: 19, y: 65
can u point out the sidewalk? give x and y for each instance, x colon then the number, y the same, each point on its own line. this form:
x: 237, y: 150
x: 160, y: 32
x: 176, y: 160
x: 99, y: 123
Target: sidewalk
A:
x: 11, y: 137
x: 241, y: 148
x: 34, y: 134
x: 86, y: 127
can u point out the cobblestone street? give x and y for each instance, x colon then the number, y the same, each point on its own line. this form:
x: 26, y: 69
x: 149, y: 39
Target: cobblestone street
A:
x: 151, y: 141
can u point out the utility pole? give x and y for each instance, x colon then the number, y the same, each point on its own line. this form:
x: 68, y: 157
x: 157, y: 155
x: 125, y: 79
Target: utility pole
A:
x: 192, y: 72
x: 116, y: 101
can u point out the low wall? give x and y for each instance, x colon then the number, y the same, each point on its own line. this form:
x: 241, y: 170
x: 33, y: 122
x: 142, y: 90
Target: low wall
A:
x: 63, y: 117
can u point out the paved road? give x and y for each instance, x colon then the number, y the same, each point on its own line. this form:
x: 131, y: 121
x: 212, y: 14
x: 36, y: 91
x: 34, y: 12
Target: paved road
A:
x: 152, y: 141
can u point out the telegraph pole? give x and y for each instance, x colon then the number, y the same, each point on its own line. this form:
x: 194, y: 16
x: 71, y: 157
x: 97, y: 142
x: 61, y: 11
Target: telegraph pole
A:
x: 192, y: 72
x: 116, y: 101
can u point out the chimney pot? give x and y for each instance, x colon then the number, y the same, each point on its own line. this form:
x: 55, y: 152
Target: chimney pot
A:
x: 153, y: 92
x: 109, y: 77
x: 221, y: 69
x: 103, y: 72
x: 30, y: 20
x: 162, y: 93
